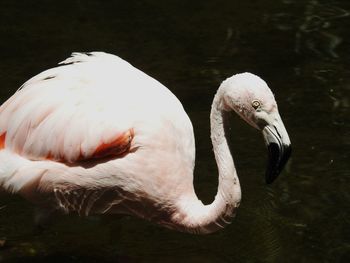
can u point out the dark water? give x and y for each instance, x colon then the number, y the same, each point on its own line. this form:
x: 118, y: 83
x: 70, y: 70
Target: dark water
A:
x: 301, y: 48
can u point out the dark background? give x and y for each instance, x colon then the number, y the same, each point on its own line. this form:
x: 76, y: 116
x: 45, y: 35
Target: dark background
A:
x: 301, y: 48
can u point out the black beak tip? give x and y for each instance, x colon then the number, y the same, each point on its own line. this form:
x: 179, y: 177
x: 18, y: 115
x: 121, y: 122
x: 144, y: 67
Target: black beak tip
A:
x: 278, y: 157
x: 271, y: 176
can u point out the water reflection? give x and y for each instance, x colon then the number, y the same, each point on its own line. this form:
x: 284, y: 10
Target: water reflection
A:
x: 316, y: 28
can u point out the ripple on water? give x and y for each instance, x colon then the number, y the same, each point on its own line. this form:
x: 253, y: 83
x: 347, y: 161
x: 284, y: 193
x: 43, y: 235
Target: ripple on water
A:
x: 314, y: 27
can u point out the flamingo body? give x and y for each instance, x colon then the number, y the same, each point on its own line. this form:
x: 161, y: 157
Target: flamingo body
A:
x: 96, y: 135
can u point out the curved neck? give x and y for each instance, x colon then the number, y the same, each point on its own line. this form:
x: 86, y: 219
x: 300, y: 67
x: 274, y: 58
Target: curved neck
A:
x: 200, y: 218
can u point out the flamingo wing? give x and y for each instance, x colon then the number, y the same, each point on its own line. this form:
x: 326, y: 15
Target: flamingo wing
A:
x: 70, y: 113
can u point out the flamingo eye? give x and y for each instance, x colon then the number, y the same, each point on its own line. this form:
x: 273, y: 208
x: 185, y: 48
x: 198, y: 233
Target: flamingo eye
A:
x: 256, y: 104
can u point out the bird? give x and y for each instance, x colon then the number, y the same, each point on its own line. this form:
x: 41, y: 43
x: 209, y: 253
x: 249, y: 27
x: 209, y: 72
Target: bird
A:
x: 95, y: 135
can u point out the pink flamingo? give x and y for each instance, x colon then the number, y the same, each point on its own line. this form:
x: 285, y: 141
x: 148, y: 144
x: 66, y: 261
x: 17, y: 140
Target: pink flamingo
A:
x: 96, y: 135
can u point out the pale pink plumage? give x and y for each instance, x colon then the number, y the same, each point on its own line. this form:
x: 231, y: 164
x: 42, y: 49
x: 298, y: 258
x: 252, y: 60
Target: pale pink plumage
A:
x: 96, y: 135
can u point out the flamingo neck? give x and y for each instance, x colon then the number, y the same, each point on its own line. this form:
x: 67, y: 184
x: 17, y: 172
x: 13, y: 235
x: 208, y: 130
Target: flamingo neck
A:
x: 200, y: 218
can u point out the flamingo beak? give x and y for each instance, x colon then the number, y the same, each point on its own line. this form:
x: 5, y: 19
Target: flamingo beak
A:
x: 279, y: 148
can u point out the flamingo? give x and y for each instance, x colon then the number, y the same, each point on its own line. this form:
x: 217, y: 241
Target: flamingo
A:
x: 95, y: 135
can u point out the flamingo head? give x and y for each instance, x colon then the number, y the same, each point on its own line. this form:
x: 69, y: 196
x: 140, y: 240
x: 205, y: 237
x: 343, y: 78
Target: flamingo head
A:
x: 251, y: 98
